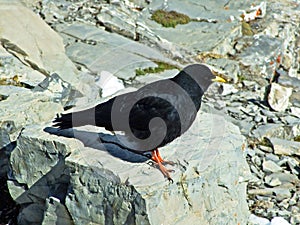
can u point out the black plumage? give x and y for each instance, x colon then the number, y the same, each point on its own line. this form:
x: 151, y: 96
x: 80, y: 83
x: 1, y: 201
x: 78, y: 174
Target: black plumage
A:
x: 152, y: 116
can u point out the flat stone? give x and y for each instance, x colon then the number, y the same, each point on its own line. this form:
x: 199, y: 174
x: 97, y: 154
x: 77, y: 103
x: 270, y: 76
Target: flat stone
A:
x: 33, y: 108
x: 262, y: 191
x: 295, y: 111
x: 229, y: 68
x: 281, y: 178
x: 58, y: 90
x: 279, y: 221
x: 273, y: 131
x: 211, y: 21
x: 278, y: 97
x: 285, y: 147
x: 273, y: 158
x: 282, y: 194
x: 108, y: 49
x: 260, y: 51
x: 40, y: 47
x: 255, y: 220
x: 267, y: 149
x: 117, y: 19
x: 270, y: 166
x: 98, y: 171
x: 272, y: 181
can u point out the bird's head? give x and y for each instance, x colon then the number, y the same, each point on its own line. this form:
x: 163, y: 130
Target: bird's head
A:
x: 203, y: 75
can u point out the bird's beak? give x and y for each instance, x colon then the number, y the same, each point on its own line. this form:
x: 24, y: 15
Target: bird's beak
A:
x: 219, y: 79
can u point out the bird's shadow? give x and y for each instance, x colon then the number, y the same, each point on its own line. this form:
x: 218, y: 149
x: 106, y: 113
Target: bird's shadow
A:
x: 101, y: 142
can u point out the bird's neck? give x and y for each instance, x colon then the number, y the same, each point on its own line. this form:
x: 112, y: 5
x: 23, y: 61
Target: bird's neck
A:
x: 191, y: 87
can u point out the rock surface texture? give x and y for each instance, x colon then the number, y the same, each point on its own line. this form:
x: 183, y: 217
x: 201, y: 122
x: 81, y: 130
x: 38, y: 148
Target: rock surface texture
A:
x: 239, y: 162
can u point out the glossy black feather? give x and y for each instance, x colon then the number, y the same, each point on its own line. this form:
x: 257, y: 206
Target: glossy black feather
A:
x: 176, y: 101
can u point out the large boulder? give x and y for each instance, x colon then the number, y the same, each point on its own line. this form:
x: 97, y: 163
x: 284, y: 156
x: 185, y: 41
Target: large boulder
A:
x: 110, y: 185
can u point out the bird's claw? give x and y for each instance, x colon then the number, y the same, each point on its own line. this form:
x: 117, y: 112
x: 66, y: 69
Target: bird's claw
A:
x: 168, y: 163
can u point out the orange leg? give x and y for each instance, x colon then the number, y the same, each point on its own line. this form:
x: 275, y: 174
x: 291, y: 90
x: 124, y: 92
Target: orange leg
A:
x: 158, y: 159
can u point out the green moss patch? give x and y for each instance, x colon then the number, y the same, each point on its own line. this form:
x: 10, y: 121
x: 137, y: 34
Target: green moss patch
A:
x: 169, y: 19
x: 14, y: 81
x: 161, y: 66
x: 297, y: 138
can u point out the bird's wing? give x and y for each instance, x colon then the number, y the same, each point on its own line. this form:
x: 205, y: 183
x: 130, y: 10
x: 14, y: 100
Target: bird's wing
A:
x: 148, y: 108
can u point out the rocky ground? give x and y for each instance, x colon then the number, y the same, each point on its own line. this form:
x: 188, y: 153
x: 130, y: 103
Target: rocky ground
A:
x: 60, y: 55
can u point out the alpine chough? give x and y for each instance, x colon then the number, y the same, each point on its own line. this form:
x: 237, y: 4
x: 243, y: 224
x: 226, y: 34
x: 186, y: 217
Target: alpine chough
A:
x: 152, y: 116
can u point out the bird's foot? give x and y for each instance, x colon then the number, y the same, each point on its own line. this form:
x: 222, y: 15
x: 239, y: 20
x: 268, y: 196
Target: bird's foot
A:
x: 159, y: 161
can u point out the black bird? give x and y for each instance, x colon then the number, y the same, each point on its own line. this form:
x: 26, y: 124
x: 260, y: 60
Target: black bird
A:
x: 152, y: 116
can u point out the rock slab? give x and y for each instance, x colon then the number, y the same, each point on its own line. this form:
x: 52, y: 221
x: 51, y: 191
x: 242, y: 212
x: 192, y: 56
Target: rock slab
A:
x: 209, y: 180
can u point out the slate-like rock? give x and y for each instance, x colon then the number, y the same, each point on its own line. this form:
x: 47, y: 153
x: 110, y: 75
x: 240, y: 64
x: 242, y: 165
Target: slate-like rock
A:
x: 39, y: 47
x: 285, y: 147
x: 270, y: 166
x: 278, y: 97
x: 209, y: 180
x: 33, y: 108
x: 109, y: 49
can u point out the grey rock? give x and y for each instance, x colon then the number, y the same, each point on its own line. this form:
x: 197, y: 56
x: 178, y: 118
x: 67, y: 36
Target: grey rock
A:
x: 259, y: 152
x: 263, y: 192
x: 285, y: 147
x: 272, y: 181
x: 282, y: 178
x: 31, y: 214
x: 295, y: 111
x: 294, y: 199
x: 259, y: 173
x: 293, y: 165
x: 275, y: 131
x: 58, y: 90
x: 6, y: 146
x: 270, y: 166
x: 49, y: 176
x: 278, y: 97
x: 282, y: 194
x: 291, y: 120
x: 273, y: 158
x: 287, y: 81
x: 295, y: 219
x: 284, y: 204
x: 56, y: 213
x: 255, y: 220
x: 121, y: 191
x: 33, y: 108
x: 256, y: 160
x: 267, y: 113
x: 108, y: 49
x: 258, y: 119
x: 228, y: 67
x: 211, y: 21
x: 279, y: 221
x: 149, y: 78
x: 11, y: 67
x: 259, y: 52
x: 119, y: 19
x: 42, y: 49
x: 228, y: 89
x: 267, y: 149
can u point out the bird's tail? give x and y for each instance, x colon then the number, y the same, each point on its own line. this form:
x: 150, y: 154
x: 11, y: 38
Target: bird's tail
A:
x: 64, y: 121
x: 77, y: 119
